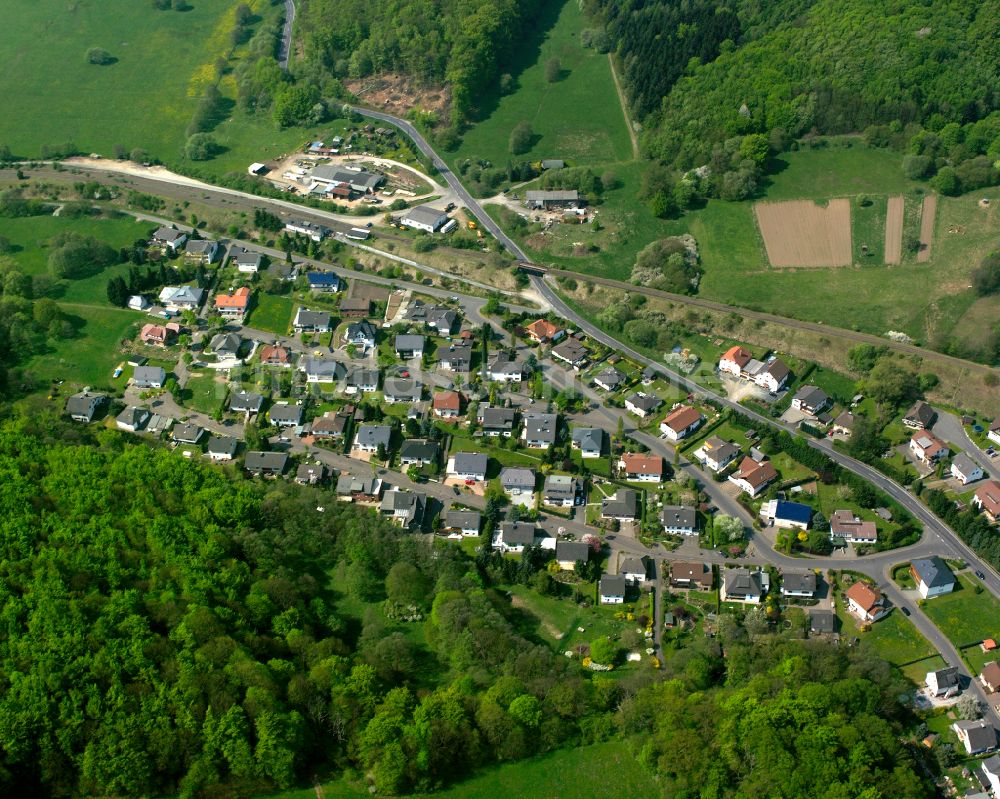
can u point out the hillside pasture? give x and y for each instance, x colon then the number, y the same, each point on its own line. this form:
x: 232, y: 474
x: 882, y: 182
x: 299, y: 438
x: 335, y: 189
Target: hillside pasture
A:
x: 802, y: 233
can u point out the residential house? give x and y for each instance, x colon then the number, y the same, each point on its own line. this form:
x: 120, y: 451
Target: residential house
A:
x: 138, y: 303
x: 246, y: 402
x: 324, y: 281
x: 169, y: 239
x: 932, y: 577
x: 463, y: 522
x: 315, y: 232
x: 642, y: 404
x: 157, y: 335
x: 517, y: 480
x: 810, y: 400
x: 610, y: 379
x: 920, y: 417
x: 226, y: 345
x: 786, y: 515
x: 181, y: 298
x: 310, y: 474
x: 851, y: 529
x: 681, y: 422
x: 222, y: 448
x: 978, y: 737
x: 733, y: 361
x: 823, y: 622
x: 201, y: 250
x: 283, y: 414
x: 571, y: 352
x: 402, y: 389
x: 149, y: 377
x: 275, y: 355
x: 542, y: 330
x: 307, y: 321
x: 633, y: 569
x: 844, y: 423
x: 331, y: 425
x: 753, y: 476
x: 689, y: 574
x: 569, y: 553
x: 406, y: 508
x: 266, y: 463
x: 372, y: 436
x: 990, y: 769
x: 457, y: 358
x: 540, y: 430
x: 742, y: 585
x: 865, y: 602
x: 965, y: 470
x: 943, y: 682
x: 439, y: 318
x: 358, y: 489
x: 612, y: 589
x: 322, y: 370
x: 83, y: 405
x: 235, y: 305
x: 679, y: 520
x: 514, y: 536
x: 987, y: 498
x: 424, y: 217
x: 560, y: 490
x: 361, y: 334
x: 544, y: 200
x: 716, y: 454
x: 589, y: 440
x: 993, y: 434
x: 187, y: 433
x: 798, y: 584
x: 468, y: 466
x: 771, y: 375
x: 355, y: 307
x: 505, y: 369
x: 927, y: 447
x: 361, y: 380
x: 132, y: 419
x: 622, y: 507
x: 496, y: 421
x: 990, y: 677
x: 419, y: 451
x: 247, y: 263
x: 447, y: 404
x: 409, y: 346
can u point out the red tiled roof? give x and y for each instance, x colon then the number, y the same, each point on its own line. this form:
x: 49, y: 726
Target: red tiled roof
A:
x: 682, y: 418
x: 636, y: 463
x: 738, y: 355
x: 237, y: 299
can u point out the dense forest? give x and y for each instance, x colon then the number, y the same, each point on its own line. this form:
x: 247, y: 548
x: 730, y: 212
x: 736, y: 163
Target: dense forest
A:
x: 170, y: 627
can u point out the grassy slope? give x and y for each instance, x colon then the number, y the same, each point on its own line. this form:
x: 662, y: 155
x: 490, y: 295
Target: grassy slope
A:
x: 577, y: 118
x: 965, y: 616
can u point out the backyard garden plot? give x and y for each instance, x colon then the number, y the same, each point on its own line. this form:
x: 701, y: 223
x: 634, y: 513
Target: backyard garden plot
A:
x: 894, y: 231
x: 927, y: 217
x: 802, y: 233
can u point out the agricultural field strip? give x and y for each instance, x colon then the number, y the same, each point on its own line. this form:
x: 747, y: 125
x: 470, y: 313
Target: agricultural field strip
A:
x: 894, y: 231
x: 801, y: 233
x: 927, y: 218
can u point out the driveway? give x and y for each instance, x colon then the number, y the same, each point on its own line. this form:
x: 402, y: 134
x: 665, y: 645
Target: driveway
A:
x: 949, y: 427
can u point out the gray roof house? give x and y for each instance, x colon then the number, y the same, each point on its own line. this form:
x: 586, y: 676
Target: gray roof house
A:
x: 402, y: 389
x: 424, y: 217
x: 920, y: 416
x: 572, y: 352
x: 266, y: 463
x: 132, y: 419
x: 810, y: 400
x: 612, y: 589
x: 560, y: 490
x: 589, y: 440
x: 249, y: 262
x: 406, y: 507
x: 370, y: 436
x: 322, y: 370
x: 82, y: 406
x: 307, y: 321
x: 361, y: 379
x: 149, y: 377
x: 624, y: 505
x: 504, y: 369
x: 568, y: 553
x: 517, y: 480
x: 610, y: 379
x: 468, y: 465
x: 170, y: 237
x: 418, y: 451
x: 977, y: 736
x: 227, y: 344
x: 408, y: 345
x: 285, y: 414
x: 246, y: 402
x: 515, y: 536
x: 187, y: 433
x: 932, y: 575
x: 360, y: 488
x: 467, y: 522
x: 742, y: 585
x: 222, y: 448
x: 361, y: 334
x: 678, y: 520
x: 310, y: 474
x: 497, y: 421
x: 540, y: 429
x: 642, y: 404
x: 203, y: 250
x: 798, y: 584
x: 457, y: 358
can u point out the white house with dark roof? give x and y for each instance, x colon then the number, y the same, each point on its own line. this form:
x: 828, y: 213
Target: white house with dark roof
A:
x: 920, y: 416
x: 589, y: 440
x: 371, y: 436
x: 944, y: 682
x: 149, y: 377
x: 469, y: 466
x: 932, y: 576
x: 464, y: 522
x: 642, y: 404
x: 612, y: 589
x: 514, y: 536
x: 361, y: 380
x: 679, y: 520
x: 409, y: 346
x: 222, y: 448
x: 419, y: 451
x: 978, y: 737
x: 361, y: 334
x: 716, y: 454
x: 82, y: 406
x: 246, y: 402
x: 742, y: 585
x: 271, y: 464
x: 798, y: 584
x: 406, y: 508
x: 307, y: 321
x: 284, y: 414
x: 496, y: 421
x: 560, y: 490
x: 132, y: 419
x: 187, y: 433
x: 402, y: 389
x: 569, y: 553
x: 204, y: 251
x: 169, y: 238
x: 571, y: 352
x: 504, y: 369
x: 810, y: 400
x: 993, y: 434
x: 424, y: 217
x: 540, y: 430
x: 517, y: 480
x: 965, y: 470
x: 610, y: 379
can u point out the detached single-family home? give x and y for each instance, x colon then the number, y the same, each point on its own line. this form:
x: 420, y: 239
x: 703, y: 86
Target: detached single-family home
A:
x: 138, y: 303
x: 517, y: 480
x: 266, y: 463
x: 132, y: 419
x: 771, y: 375
x: 987, y: 499
x: 560, y: 490
x: 222, y: 448
x: 639, y: 468
x: 571, y: 352
x: 169, y: 239
x: 409, y: 346
x: 943, y: 682
x: 361, y: 334
x: 733, y: 361
x: 187, y: 433
x: 181, y: 298
x: 246, y: 402
x: 514, y: 536
x: 447, y: 404
x: 990, y: 677
x: 932, y: 577
x: 463, y: 522
x: 201, y: 250
x: 361, y: 380
x: 642, y: 404
x: 844, y: 524
x: 965, y: 470
x: 569, y: 553
x: 810, y: 400
x: 823, y: 622
x: 275, y: 355
x: 307, y: 321
x: 457, y: 358
x: 82, y: 407
x: 324, y: 281
x: 284, y: 414
x: 633, y: 569
x: 371, y: 436
x: 540, y: 430
x: 248, y: 263
x: 310, y: 474
x: 612, y: 589
x: 786, y: 515
x: 157, y: 335
x: 468, y: 466
x: 402, y: 389
x: 496, y: 421
x: 844, y: 423
x: 406, y: 508
x: 418, y: 451
x: 686, y: 574
x: 716, y: 454
x: 681, y: 422
x: 322, y: 370
x: 441, y: 320
x: 589, y: 440
x: 865, y: 602
x: 753, y: 476
x: 742, y: 585
x: 504, y: 369
x: 610, y: 379
x: 679, y: 520
x: 993, y: 434
x: 331, y: 425
x: 233, y: 306
x: 542, y: 330
x: 149, y: 377
x: 978, y: 737
x: 990, y: 769
x: 314, y: 232
x: 226, y: 345
x: 920, y: 416
x: 927, y: 447
x: 799, y: 584
x: 355, y: 307
x: 622, y: 507
x: 358, y: 489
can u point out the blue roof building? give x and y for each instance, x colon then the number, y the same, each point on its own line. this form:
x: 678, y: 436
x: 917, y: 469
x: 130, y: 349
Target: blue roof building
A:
x: 323, y: 281
x: 781, y: 513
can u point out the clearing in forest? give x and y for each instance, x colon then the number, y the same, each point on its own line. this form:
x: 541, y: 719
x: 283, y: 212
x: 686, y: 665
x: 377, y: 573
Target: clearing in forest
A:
x: 801, y: 233
x: 927, y: 217
x: 894, y: 231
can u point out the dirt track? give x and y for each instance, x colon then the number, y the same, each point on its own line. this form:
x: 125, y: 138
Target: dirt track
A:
x: 801, y: 233
x: 927, y: 217
x: 894, y: 231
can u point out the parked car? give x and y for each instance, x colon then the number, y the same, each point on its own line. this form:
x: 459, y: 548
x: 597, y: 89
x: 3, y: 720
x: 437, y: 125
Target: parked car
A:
x: 906, y: 611
x: 980, y: 575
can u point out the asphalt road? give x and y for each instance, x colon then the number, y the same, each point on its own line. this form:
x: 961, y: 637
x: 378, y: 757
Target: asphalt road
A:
x: 948, y: 427
x: 285, y: 51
